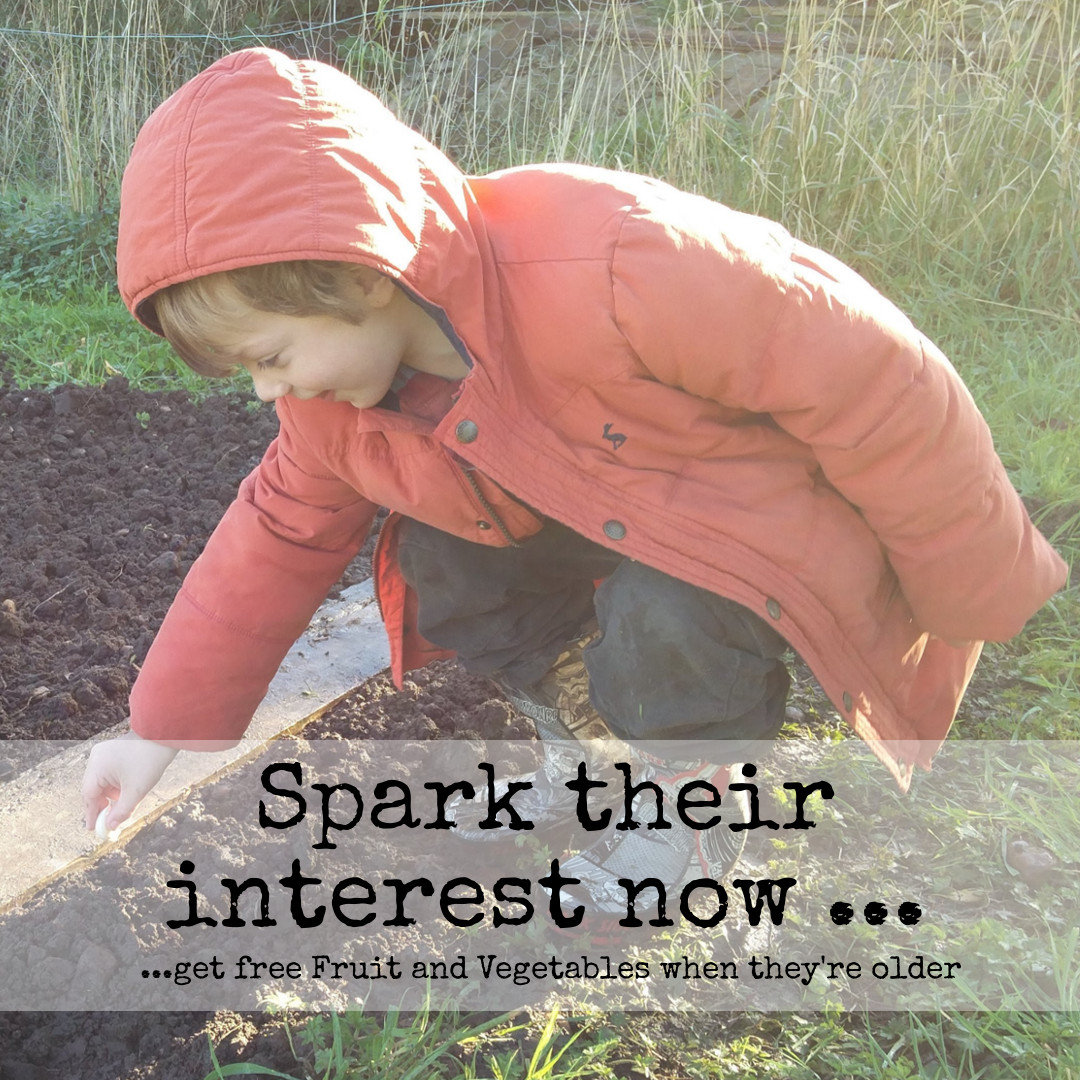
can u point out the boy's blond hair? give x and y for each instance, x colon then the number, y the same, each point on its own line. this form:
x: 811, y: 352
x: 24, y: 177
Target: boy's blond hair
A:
x: 192, y: 314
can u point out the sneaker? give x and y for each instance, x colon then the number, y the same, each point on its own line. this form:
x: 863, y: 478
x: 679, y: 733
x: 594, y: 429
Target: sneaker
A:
x: 558, y: 703
x: 569, y: 729
x: 676, y: 856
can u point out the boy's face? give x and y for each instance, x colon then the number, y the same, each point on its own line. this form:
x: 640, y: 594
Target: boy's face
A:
x: 327, y: 357
x: 322, y: 356
x: 318, y: 356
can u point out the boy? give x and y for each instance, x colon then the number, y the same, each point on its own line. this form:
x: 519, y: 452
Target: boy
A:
x: 553, y: 375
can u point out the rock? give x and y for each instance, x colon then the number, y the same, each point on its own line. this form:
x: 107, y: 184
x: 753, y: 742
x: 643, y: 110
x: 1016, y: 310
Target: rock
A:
x: 94, y: 969
x: 88, y: 694
x: 66, y: 705
x: 37, y: 514
x: 53, y: 974
x: 166, y: 562
x: 1035, y: 865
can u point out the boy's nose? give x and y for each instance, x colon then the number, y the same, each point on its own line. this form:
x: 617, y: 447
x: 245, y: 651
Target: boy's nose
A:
x: 269, y: 389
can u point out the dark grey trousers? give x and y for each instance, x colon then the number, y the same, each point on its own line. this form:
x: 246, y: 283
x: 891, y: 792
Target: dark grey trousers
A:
x: 672, y: 661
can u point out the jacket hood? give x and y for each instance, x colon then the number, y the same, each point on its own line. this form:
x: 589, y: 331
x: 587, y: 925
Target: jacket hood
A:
x: 261, y: 158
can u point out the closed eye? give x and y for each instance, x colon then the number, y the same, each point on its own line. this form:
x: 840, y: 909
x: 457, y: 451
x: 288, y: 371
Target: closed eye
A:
x: 265, y: 365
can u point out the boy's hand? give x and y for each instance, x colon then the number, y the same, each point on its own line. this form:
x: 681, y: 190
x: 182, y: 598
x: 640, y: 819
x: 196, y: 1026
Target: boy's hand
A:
x: 122, y: 770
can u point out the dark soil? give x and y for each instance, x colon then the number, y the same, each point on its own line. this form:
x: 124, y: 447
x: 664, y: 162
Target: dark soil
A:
x: 109, y: 495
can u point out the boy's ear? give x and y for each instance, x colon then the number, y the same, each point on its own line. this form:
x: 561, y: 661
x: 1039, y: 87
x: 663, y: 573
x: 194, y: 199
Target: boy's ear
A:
x: 378, y: 289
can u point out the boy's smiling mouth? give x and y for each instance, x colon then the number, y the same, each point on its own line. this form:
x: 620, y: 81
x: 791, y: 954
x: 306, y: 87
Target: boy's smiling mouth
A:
x: 322, y: 395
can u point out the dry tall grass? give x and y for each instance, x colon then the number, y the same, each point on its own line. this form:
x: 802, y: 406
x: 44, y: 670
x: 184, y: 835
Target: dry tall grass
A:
x: 78, y: 77
x: 905, y: 129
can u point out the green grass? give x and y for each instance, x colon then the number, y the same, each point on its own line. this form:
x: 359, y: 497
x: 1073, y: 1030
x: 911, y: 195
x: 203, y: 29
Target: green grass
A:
x: 784, y: 1046
x: 61, y: 318
x: 437, y: 1046
x: 85, y: 336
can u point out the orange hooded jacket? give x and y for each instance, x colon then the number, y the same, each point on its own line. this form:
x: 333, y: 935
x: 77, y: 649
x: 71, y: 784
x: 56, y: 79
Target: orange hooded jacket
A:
x: 683, y: 383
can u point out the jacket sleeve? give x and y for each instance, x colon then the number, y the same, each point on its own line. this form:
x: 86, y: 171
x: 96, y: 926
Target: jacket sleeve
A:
x: 731, y: 308
x: 279, y: 547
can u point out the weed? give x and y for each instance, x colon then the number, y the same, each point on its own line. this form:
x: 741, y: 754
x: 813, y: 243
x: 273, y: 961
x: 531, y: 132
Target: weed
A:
x: 49, y: 250
x: 391, y: 1046
x: 85, y: 335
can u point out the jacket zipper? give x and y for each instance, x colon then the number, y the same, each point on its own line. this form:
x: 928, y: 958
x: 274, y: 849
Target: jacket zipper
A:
x: 490, y: 510
x: 375, y: 575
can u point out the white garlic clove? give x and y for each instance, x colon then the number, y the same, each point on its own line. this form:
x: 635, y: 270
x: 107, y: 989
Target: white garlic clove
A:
x: 101, y: 830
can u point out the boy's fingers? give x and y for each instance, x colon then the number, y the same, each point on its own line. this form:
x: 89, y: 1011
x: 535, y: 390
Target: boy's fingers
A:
x: 97, y: 787
x: 123, y: 807
x: 121, y: 771
x: 94, y: 804
x: 93, y: 797
x: 127, y: 797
